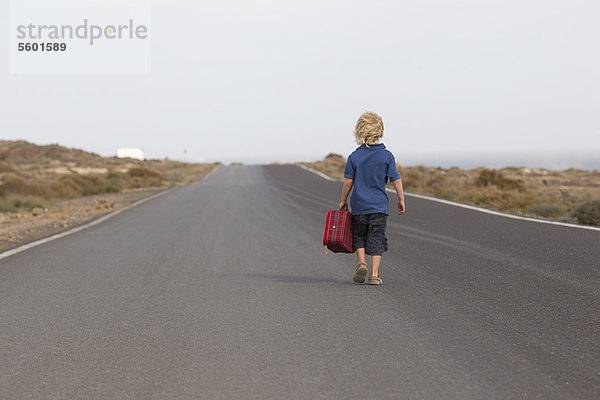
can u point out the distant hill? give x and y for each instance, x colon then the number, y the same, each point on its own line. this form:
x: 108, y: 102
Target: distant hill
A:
x: 32, y: 174
x: 22, y: 152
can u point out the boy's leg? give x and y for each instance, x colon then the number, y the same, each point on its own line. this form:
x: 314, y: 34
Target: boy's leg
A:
x: 362, y: 269
x: 376, y: 242
x: 375, y: 261
x: 360, y: 254
x: 359, y: 231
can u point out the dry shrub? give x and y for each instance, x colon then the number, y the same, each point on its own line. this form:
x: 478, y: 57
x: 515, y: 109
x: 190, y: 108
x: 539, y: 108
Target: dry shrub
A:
x: 117, y: 181
x: 437, y: 183
x: 14, y: 184
x: 489, y: 197
x: 89, y: 184
x: 65, y: 188
x: 72, y: 186
x: 486, y: 198
x: 177, y: 174
x: 547, y: 210
x: 8, y: 204
x: 517, y: 201
x: 15, y: 203
x: 143, y: 172
x: 588, y: 213
x: 491, y: 177
x: 411, y: 180
x: 145, y: 177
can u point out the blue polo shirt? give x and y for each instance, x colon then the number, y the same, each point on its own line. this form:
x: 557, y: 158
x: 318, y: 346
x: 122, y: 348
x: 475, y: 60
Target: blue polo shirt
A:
x: 371, y: 167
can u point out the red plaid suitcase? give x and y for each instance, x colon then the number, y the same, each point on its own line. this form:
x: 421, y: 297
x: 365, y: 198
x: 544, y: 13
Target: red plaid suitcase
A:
x: 338, y: 232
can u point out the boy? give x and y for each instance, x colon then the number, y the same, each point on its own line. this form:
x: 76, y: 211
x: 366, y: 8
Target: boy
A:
x: 368, y: 169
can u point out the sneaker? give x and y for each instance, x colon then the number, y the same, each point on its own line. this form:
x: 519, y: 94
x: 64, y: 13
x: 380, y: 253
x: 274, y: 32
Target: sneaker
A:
x: 375, y: 280
x: 361, y: 272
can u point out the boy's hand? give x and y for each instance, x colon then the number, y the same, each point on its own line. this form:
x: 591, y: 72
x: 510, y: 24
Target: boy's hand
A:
x: 400, y: 190
x: 344, y: 205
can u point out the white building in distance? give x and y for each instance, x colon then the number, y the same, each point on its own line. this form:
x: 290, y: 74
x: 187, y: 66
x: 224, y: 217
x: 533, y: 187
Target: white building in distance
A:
x: 131, y: 152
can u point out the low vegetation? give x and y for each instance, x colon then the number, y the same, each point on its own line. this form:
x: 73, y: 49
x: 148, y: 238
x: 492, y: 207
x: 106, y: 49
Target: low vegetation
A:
x: 33, y: 176
x: 569, y: 196
x: 588, y: 213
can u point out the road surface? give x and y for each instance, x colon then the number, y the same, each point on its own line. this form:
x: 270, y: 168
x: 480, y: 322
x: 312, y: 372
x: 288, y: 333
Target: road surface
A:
x: 222, y: 290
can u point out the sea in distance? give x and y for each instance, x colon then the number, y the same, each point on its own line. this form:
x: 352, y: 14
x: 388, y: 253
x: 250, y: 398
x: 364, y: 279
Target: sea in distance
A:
x: 552, y: 160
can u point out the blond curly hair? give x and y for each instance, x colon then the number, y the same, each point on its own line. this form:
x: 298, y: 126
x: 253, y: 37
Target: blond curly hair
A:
x: 369, y: 128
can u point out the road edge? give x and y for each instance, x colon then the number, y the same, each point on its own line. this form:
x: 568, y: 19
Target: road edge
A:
x: 36, y: 243
x: 468, y: 207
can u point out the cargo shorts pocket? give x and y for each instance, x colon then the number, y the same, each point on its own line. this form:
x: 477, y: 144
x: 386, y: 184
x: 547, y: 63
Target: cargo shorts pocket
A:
x: 377, y: 243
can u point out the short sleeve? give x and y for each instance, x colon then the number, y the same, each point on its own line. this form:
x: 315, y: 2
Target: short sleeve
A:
x: 350, y: 170
x: 392, y: 171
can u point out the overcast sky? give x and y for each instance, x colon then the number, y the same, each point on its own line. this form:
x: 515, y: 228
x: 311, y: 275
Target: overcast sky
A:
x: 262, y: 81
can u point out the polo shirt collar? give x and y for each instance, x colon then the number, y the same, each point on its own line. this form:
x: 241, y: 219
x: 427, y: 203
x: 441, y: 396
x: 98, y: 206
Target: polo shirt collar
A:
x: 373, y: 146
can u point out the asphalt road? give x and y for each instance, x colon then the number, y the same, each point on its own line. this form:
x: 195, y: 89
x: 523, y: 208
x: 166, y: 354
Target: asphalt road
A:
x: 222, y: 290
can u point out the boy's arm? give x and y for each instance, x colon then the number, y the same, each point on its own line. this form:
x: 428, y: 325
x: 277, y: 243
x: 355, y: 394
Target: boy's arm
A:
x: 348, y: 183
x: 400, y: 190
